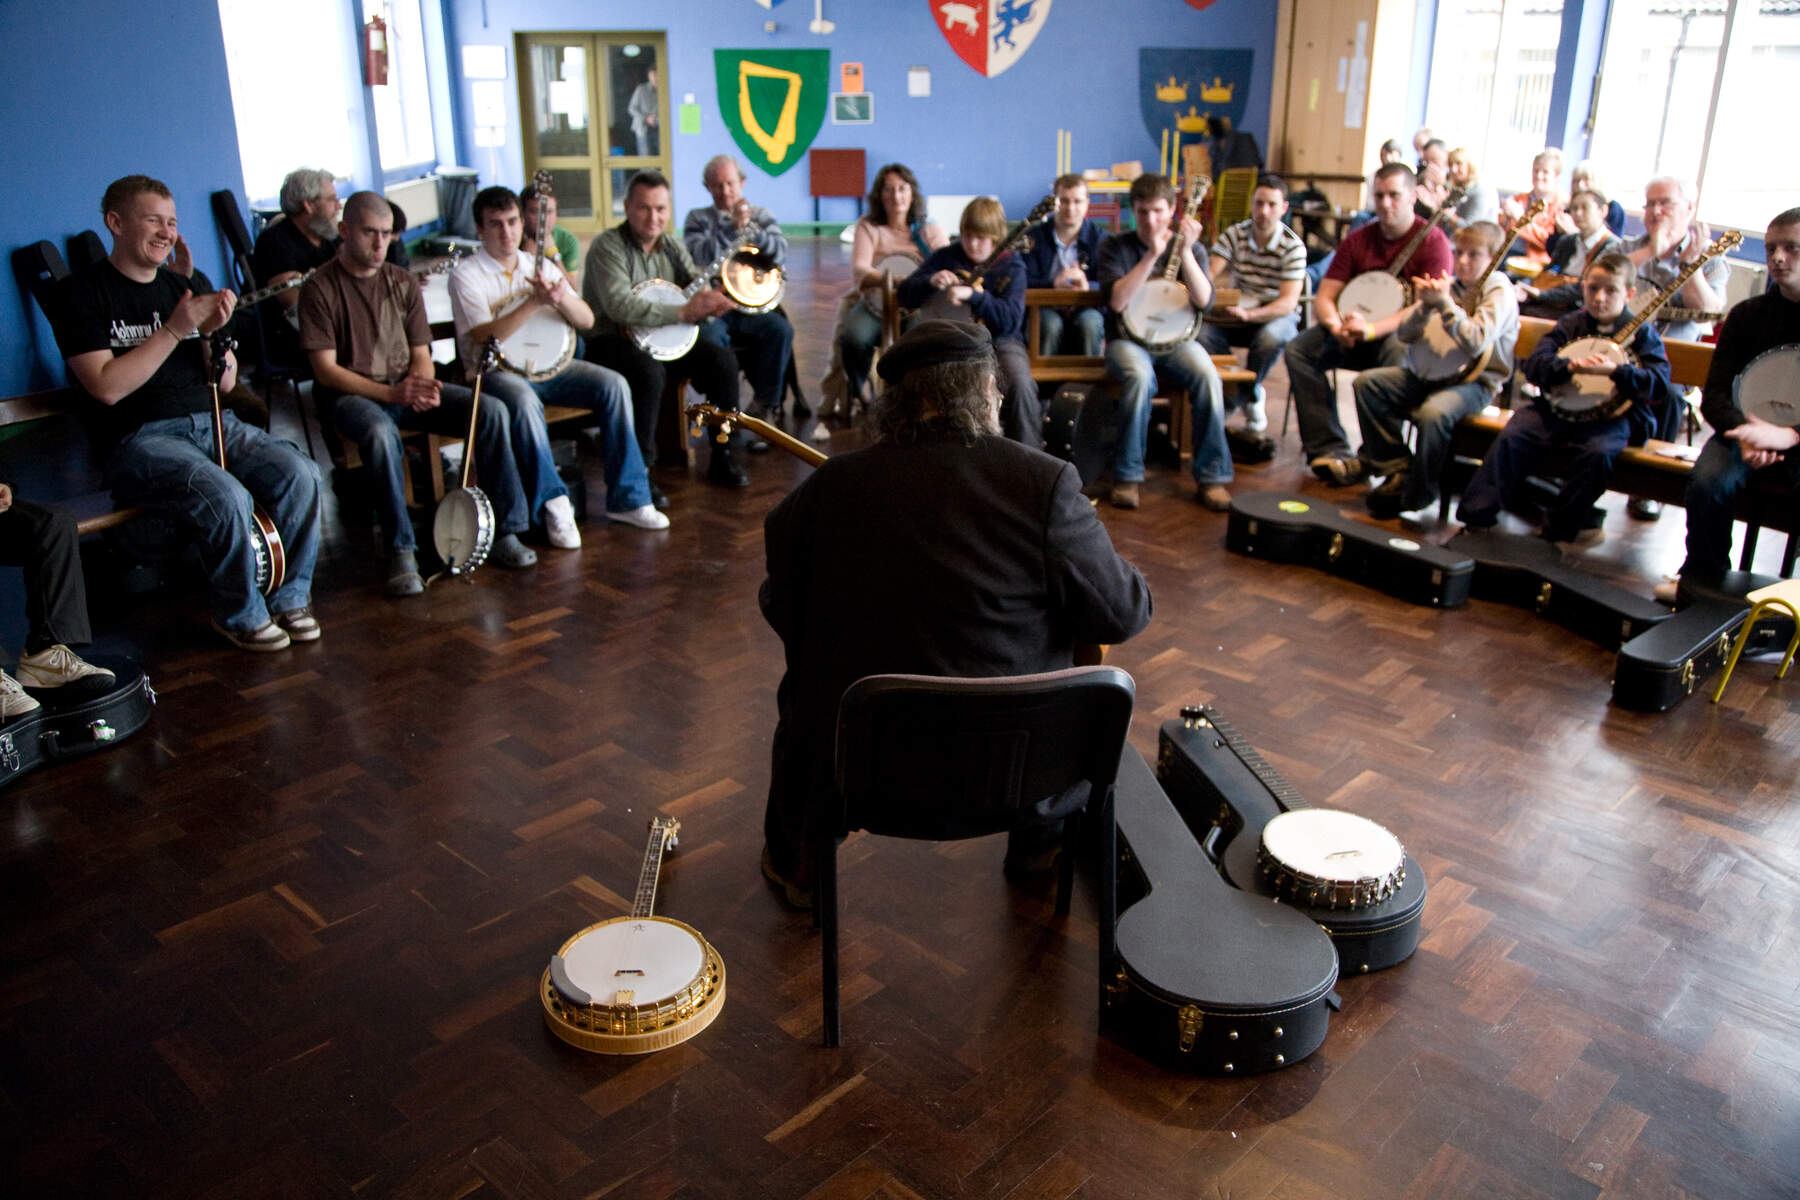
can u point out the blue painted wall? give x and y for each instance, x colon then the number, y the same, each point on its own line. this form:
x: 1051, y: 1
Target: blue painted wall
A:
x: 96, y: 89
x: 971, y: 135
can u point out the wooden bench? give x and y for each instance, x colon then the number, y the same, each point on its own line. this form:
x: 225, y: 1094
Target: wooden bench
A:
x: 1651, y: 471
x: 48, y: 476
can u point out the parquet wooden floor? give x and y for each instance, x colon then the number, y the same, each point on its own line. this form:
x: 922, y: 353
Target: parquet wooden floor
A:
x: 285, y: 942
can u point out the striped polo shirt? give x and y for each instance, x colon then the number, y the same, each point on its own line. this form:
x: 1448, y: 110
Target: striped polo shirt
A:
x: 1259, y: 274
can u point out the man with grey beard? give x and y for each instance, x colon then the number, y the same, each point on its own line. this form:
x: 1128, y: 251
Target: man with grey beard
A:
x: 304, y: 238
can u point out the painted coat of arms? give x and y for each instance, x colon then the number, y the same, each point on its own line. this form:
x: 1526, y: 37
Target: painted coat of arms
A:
x: 989, y: 35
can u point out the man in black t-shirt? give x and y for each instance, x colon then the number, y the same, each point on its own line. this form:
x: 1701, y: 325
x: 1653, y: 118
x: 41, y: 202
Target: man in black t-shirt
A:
x: 303, y: 239
x: 131, y: 332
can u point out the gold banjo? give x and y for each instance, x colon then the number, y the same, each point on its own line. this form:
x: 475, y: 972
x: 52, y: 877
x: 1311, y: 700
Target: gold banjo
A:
x: 636, y: 984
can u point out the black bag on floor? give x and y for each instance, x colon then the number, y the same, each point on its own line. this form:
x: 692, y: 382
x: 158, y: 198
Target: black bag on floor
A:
x: 77, y: 719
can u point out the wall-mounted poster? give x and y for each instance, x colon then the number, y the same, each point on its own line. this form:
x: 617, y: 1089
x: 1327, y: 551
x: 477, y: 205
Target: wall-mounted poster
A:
x: 773, y: 101
x: 989, y: 35
x: 852, y: 108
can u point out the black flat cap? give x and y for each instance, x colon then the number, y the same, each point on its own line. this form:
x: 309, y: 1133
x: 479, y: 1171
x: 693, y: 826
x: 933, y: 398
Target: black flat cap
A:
x: 930, y: 343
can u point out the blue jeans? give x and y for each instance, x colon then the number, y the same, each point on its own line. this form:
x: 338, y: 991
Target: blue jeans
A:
x: 1084, y: 334
x: 1308, y: 357
x: 172, y: 465
x: 375, y: 428
x: 1266, y: 340
x: 1720, y: 477
x: 1386, y: 398
x: 1187, y: 366
x: 763, y: 343
x: 1531, y: 433
x: 580, y: 385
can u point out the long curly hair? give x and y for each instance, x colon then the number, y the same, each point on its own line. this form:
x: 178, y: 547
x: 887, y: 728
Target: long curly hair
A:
x: 878, y: 212
x: 948, y: 400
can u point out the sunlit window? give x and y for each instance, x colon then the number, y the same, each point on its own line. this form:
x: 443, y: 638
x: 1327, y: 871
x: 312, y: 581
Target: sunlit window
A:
x: 1492, y: 66
x: 403, y: 106
x: 295, y: 105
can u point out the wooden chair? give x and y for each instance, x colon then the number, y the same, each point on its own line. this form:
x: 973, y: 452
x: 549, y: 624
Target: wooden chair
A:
x: 945, y: 759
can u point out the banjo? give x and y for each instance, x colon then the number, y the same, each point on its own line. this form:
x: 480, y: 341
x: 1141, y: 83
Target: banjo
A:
x: 940, y: 307
x: 463, y: 529
x: 1586, y: 397
x: 1769, y: 388
x: 265, y: 539
x: 1376, y: 295
x: 1161, y: 315
x: 545, y: 344
x: 635, y: 984
x: 1436, y: 357
x: 756, y: 278
x: 894, y: 268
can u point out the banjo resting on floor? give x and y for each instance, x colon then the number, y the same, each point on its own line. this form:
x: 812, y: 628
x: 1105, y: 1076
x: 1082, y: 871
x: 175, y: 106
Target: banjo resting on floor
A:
x: 635, y: 984
x: 463, y: 530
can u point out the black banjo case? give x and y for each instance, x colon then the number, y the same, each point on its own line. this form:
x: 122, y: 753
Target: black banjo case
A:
x: 1529, y: 572
x: 1664, y: 665
x: 76, y: 719
x: 1227, y: 792
x: 1294, y: 529
x: 1205, y: 977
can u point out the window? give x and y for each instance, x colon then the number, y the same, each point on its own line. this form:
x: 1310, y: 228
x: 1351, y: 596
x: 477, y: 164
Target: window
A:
x: 1492, y: 66
x: 295, y: 103
x: 1665, y: 62
x: 403, y: 106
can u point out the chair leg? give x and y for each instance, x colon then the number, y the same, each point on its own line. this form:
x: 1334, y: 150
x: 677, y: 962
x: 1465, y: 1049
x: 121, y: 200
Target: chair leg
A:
x: 1751, y: 530
x: 791, y: 386
x: 825, y: 911
x: 1109, y: 894
x: 1073, y: 829
x: 1787, y: 555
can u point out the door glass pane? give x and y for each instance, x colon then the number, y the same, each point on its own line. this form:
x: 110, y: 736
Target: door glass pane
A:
x: 634, y: 99
x: 559, y: 102
x: 1656, y: 86
x: 1752, y: 172
x: 574, y: 192
x: 619, y: 177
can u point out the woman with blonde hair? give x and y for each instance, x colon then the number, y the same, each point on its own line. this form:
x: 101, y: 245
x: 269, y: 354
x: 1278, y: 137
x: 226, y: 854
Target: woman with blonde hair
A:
x: 1479, y: 202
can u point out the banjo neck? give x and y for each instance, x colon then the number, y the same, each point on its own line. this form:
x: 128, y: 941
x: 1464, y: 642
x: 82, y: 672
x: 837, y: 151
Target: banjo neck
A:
x: 664, y: 834
x: 1014, y: 237
x: 1196, y: 193
x: 1283, y: 792
x: 1417, y: 240
x: 1724, y: 242
x: 1471, y: 300
x: 220, y: 343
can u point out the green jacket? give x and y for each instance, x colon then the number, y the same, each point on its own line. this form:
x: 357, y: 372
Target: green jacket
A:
x: 615, y: 264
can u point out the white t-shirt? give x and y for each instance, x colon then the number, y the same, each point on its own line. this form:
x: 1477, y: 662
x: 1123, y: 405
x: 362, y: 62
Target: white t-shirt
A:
x: 481, y: 289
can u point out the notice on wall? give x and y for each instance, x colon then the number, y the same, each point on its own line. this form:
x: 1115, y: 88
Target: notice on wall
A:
x: 484, y: 62
x: 1356, y: 94
x: 690, y: 116
x: 488, y: 98
x: 918, y: 81
x: 852, y: 108
x: 850, y: 78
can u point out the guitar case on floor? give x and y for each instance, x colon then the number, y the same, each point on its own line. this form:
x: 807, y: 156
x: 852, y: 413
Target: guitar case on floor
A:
x: 1294, y: 529
x: 1080, y: 426
x: 1203, y: 976
x: 1671, y: 661
x: 1227, y: 793
x: 1529, y: 572
x: 76, y: 719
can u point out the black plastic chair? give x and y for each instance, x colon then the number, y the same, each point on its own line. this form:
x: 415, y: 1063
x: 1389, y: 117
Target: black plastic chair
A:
x: 945, y: 759
x: 252, y: 335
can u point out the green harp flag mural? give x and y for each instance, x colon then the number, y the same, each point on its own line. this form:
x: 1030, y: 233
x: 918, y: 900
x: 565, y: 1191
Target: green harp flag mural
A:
x: 773, y: 101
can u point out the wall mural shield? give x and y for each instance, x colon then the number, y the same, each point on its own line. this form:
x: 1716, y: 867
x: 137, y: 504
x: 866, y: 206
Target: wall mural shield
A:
x: 773, y: 101
x: 1180, y: 89
x: 989, y: 35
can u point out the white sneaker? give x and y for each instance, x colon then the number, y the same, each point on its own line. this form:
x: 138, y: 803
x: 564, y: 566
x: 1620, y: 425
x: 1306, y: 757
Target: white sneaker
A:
x: 644, y: 517
x: 559, y: 524
x: 1256, y: 413
x: 56, y: 666
x: 13, y: 700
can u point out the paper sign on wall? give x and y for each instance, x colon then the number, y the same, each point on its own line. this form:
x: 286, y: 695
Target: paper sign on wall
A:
x: 918, y: 81
x: 850, y: 78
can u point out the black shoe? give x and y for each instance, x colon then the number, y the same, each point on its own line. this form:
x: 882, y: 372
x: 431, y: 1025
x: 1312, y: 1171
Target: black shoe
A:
x: 724, y: 471
x: 1389, y: 500
x: 791, y: 892
x: 658, y: 497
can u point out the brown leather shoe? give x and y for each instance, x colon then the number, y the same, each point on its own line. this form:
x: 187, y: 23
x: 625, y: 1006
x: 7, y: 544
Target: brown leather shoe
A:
x: 1124, y: 495
x: 1215, y: 497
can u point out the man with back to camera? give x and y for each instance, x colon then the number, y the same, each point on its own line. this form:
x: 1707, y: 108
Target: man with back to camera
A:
x: 875, y: 566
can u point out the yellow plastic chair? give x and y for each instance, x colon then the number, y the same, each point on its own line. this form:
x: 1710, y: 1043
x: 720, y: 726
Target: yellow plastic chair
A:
x: 1785, y: 596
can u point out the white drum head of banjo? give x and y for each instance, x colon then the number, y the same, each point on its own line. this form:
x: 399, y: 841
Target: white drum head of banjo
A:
x: 632, y: 985
x: 1161, y: 314
x: 1769, y: 388
x: 1373, y: 294
x: 663, y: 342
x: 463, y: 529
x: 752, y: 280
x: 1331, y: 859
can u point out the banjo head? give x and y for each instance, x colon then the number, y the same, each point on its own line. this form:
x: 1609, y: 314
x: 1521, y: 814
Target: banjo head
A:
x: 1769, y: 388
x: 663, y: 342
x: 1331, y: 859
x: 752, y: 280
x: 1373, y: 294
x: 463, y: 529
x: 1161, y: 315
x: 896, y: 267
x: 1587, y: 397
x: 632, y: 985
x: 540, y: 348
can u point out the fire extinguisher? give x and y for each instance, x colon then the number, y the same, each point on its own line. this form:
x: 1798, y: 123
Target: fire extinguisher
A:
x: 375, y: 51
